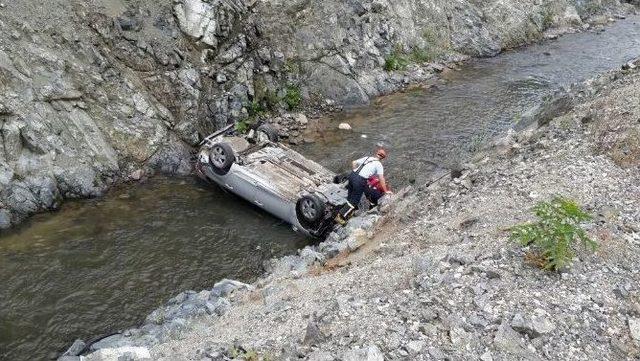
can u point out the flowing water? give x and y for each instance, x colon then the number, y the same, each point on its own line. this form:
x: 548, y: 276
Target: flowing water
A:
x: 101, y: 265
x: 426, y: 129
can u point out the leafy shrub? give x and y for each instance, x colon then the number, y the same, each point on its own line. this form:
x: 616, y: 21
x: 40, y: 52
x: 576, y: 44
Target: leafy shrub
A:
x: 292, y: 97
x: 243, y: 126
x: 554, y: 234
x: 396, y: 60
x: 255, y: 109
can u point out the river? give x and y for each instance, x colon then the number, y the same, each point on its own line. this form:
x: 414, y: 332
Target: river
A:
x: 97, y: 266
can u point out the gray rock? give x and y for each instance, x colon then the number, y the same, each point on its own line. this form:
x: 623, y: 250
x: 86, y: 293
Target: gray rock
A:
x: 207, y: 22
x: 113, y: 341
x: 5, y: 219
x: 370, y: 353
x: 312, y: 335
x: 534, y: 326
x: 75, y: 349
x: 415, y: 347
x: 508, y: 340
x: 120, y: 353
x: 226, y: 286
x: 634, y: 328
x: 319, y: 355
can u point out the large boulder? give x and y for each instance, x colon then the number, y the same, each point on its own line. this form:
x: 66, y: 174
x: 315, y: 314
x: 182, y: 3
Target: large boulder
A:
x: 208, y: 22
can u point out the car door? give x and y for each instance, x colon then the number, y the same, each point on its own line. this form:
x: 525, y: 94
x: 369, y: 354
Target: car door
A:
x: 267, y: 199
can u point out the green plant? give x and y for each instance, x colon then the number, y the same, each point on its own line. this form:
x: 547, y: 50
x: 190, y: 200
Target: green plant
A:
x: 271, y: 99
x: 292, y: 97
x: 425, y: 55
x: 430, y: 35
x: 291, y: 66
x: 547, y: 18
x: 243, y: 125
x: 554, y: 234
x: 395, y: 61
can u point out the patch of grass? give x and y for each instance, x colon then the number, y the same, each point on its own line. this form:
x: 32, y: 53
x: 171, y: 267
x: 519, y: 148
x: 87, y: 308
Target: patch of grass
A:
x: 243, y: 126
x: 425, y: 55
x: 292, y: 97
x: 396, y: 60
x: 255, y: 109
x: 291, y: 66
x: 554, y: 235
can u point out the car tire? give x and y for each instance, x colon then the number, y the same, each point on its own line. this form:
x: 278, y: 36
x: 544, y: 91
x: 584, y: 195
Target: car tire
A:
x: 267, y: 132
x: 310, y: 211
x: 221, y: 158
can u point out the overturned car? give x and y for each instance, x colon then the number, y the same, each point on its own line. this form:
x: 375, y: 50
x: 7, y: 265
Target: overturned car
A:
x: 273, y: 177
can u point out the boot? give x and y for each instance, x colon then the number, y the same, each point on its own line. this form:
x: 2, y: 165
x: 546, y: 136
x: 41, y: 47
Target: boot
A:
x: 344, y: 214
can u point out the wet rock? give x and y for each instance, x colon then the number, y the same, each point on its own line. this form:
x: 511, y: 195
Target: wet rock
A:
x: 75, y: 349
x: 344, y: 126
x: 226, y: 286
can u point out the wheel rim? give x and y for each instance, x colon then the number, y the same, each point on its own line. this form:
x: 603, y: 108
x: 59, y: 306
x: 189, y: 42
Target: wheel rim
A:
x: 309, y: 209
x: 219, y: 157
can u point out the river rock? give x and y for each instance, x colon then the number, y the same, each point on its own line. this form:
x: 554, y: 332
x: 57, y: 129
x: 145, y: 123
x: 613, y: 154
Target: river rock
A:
x: 120, y: 353
x: 344, y: 126
x: 5, y: 219
x: 301, y: 119
x: 226, y: 286
x: 76, y: 348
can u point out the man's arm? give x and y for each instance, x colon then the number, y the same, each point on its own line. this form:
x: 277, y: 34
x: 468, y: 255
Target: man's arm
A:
x: 383, y: 184
x: 356, y: 163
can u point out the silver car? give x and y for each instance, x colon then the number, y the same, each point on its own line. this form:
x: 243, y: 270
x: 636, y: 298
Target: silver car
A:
x: 273, y: 177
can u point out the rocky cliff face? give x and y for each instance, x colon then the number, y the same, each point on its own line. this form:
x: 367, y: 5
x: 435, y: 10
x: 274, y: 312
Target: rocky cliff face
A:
x: 91, y: 91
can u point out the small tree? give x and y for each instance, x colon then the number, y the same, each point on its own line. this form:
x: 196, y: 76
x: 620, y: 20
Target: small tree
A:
x: 555, y: 233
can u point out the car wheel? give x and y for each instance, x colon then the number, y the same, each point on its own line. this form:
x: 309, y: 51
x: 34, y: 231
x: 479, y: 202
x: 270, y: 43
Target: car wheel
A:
x: 221, y: 158
x: 310, y: 210
x: 267, y: 132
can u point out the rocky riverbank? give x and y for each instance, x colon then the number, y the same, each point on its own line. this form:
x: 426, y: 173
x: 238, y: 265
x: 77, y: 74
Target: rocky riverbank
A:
x: 436, y: 276
x: 103, y: 91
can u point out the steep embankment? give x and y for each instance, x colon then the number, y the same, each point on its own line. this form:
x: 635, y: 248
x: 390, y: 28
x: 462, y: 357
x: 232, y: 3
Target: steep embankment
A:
x: 441, y: 279
x: 95, y: 92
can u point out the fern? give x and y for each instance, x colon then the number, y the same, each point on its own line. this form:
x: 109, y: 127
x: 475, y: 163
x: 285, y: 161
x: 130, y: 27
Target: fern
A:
x: 555, y: 233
